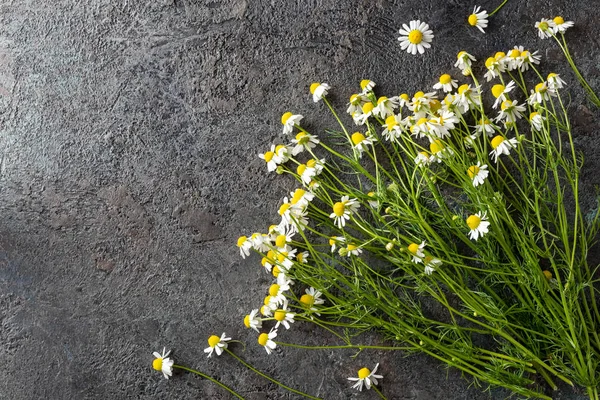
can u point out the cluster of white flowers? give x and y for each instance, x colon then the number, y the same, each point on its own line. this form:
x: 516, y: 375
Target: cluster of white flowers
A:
x: 548, y: 28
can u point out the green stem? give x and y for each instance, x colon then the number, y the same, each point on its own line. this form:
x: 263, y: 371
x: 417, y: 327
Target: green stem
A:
x: 344, y: 346
x: 210, y: 378
x: 498, y: 8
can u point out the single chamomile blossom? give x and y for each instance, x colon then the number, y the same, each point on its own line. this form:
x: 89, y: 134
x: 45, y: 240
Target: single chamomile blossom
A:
x: 356, y: 103
x: 439, y: 151
x: 261, y: 242
x: 500, y: 145
x: 529, y: 59
x: 271, y: 159
x: 510, y: 111
x: 319, y: 90
x: 423, y: 158
x: 217, y: 344
x: 302, y: 257
x: 499, y: 91
x: 494, y: 68
x: 360, y: 117
x: 446, y: 83
x: 350, y: 249
x: 277, y: 292
x: 478, y: 224
x: 540, y: 94
x: 545, y: 28
x: 421, y: 101
x: 464, y: 61
x: 555, y: 82
x: 478, y: 19
x: 421, y: 128
x: 431, y: 264
x: 303, y: 141
x: 308, y: 171
x: 403, y: 100
x: 467, y: 97
x: 415, y: 37
x: 416, y: 250
x: 536, y: 120
x: 163, y: 363
x: 385, y: 107
x: 343, y: 209
x: 335, y: 241
x: 393, y: 128
x: 289, y: 120
x: 361, y: 142
x: 245, y: 245
x: 560, y: 25
x: 311, y: 297
x: 367, y: 86
x: 283, y: 317
x: 478, y: 173
x: 266, y: 340
x: 366, y: 378
x: 253, y: 321
x: 301, y: 198
x: 441, y: 125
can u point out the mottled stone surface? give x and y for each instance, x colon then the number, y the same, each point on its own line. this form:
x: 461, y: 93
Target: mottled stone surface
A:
x: 129, y: 138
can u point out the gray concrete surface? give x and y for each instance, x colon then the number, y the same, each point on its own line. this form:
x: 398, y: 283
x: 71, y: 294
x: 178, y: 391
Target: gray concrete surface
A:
x: 129, y: 138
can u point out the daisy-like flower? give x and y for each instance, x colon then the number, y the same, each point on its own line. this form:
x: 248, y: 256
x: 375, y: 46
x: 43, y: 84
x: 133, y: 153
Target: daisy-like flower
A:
x: 443, y: 123
x: 302, y: 257
x: 439, y: 150
x: 217, y: 344
x: 342, y: 210
x: 500, y: 145
x: 163, y: 363
x: 356, y: 103
x: 545, y: 28
x: 467, y: 97
x: 271, y: 159
x: 421, y: 128
x: 494, y: 68
x: 539, y: 94
x: 510, y: 111
x: 311, y: 297
x: 417, y: 252
x: 266, y: 340
x: 486, y: 126
x: 319, y: 90
x: 478, y: 224
x: 360, y: 117
x: 415, y: 37
x: 478, y: 173
x: 499, y: 91
x: 555, y: 82
x: 446, y: 83
x: 309, y: 170
x: 335, y: 241
x: 367, y: 86
x: 464, y: 61
x: 403, y: 100
x: 283, y: 317
x: 529, y: 59
x: 393, y: 129
x: 289, y: 120
x: 385, y: 107
x: 560, y: 25
x: 361, y: 142
x: 253, y: 321
x: 260, y: 242
x: 479, y: 19
x: 421, y: 101
x: 245, y: 245
x: 423, y: 158
x: 431, y: 263
x: 366, y: 378
x: 536, y: 120
x: 513, y: 59
x: 303, y: 141
x: 350, y: 249
x: 277, y: 292
x: 301, y: 198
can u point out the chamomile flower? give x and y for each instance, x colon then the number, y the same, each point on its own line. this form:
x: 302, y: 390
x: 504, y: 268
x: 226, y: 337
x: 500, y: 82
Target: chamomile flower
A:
x: 545, y: 28
x: 485, y: 125
x: 510, y: 111
x: 431, y: 263
x: 416, y: 250
x: 253, y: 321
x: 216, y: 344
x: 302, y: 257
x: 423, y: 158
x: 446, y: 83
x: 500, y: 145
x: 421, y: 101
x: 271, y: 159
x: 350, y: 249
x: 415, y: 37
x: 342, y: 210
x: 478, y: 224
x: 439, y: 151
x: 289, y: 120
x: 303, y: 141
x: 309, y: 170
x: 361, y: 142
x: 529, y: 59
x: 443, y: 123
x: 310, y: 298
x: 277, y: 292
x: 260, y: 242
x: 494, y: 68
x: 539, y: 94
x: 555, y: 82
x: 367, y: 86
x: 467, y: 97
x: 385, y: 107
x: 356, y: 103
x: 464, y: 61
x: 245, y: 245
x: 283, y: 317
x: 513, y: 59
x: 536, y: 120
x: 393, y: 128
x: 301, y: 198
x: 335, y: 241
x: 366, y: 378
x: 403, y: 100
x: 478, y: 19
x: 360, y: 117
x: 560, y: 25
x: 319, y: 90
x: 478, y: 173
x: 266, y: 340
x: 499, y: 91
x: 163, y: 363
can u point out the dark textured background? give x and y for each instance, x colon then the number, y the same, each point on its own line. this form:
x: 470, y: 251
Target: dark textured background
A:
x: 129, y: 141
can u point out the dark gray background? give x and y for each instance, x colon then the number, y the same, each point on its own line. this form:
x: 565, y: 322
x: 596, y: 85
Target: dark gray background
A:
x: 129, y: 141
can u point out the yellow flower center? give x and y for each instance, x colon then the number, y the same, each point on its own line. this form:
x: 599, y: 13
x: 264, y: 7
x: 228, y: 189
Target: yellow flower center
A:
x: 415, y: 36
x: 463, y: 88
x: 419, y: 94
x: 276, y: 271
x: 311, y: 163
x: 558, y: 20
x: 351, y: 247
x: 157, y: 363
x: 547, y: 274
x: 280, y: 240
x: 514, y: 53
x: 284, y: 207
x: 445, y: 79
x: 247, y: 321
x: 533, y: 115
x: 473, y: 222
x: 364, y: 83
x: 279, y: 315
x: 357, y: 138
x: 301, y: 137
x: 314, y: 87
x: 472, y: 19
x: 363, y: 373
x: 505, y: 104
x: 391, y: 121
x: 274, y: 289
x: 381, y: 99
x: 300, y: 257
x: 298, y: 194
x: 332, y: 241
x: 404, y: 97
x: 354, y: 100
x: 267, y: 300
x: 241, y: 241
x: 307, y: 300
x: 543, y: 26
x: 525, y: 54
x: 300, y: 169
x: 496, y: 141
x: 497, y: 90
x: 282, y: 256
x: 338, y: 209
x: 269, y: 156
x: 473, y: 171
x: 367, y: 108
x: 540, y: 87
x: 422, y: 121
x: 371, y: 194
x: 499, y: 55
x: 552, y: 75
x: 213, y: 340
x: 424, y: 154
x: 435, y: 105
x: 489, y: 62
x: 279, y: 147
x: 413, y: 248
x: 263, y: 338
x: 265, y: 310
x: 285, y: 117
x: 436, y: 146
